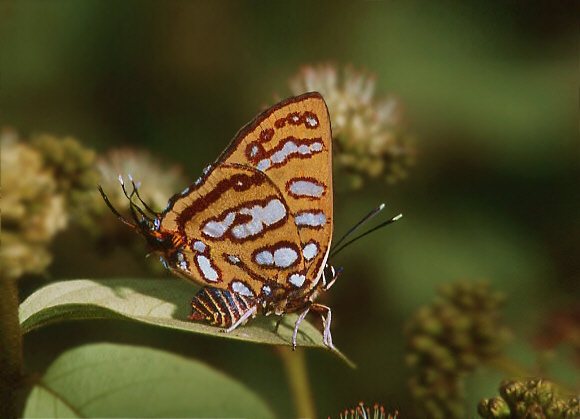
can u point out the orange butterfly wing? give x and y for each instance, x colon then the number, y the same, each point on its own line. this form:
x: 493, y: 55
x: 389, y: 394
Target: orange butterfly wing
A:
x: 261, y: 217
x: 292, y: 144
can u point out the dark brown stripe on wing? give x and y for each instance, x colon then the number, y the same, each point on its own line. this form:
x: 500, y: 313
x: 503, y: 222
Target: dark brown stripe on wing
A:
x: 238, y: 182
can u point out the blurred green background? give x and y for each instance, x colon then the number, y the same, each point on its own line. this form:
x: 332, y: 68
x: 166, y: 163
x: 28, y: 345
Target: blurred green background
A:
x: 489, y: 91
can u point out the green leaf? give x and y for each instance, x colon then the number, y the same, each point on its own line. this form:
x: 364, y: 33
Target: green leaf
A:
x: 160, y: 302
x: 105, y: 380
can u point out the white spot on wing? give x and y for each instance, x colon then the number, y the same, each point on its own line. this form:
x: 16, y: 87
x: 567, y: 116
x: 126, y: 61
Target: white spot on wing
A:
x: 310, y: 251
x: 288, y: 149
x: 284, y: 257
x: 199, y: 246
x: 278, y: 157
x: 281, y: 155
x: 311, y: 121
x: 234, y: 259
x: 241, y: 289
x: 263, y: 164
x: 306, y: 188
x: 208, y: 272
x: 264, y: 257
x: 251, y: 228
x: 273, y: 212
x: 297, y: 279
x: 266, y: 290
x: 254, y: 151
x: 316, y: 146
x: 216, y: 228
x: 310, y: 219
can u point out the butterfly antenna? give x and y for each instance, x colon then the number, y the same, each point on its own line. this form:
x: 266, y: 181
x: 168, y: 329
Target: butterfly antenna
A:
x: 360, y: 223
x: 112, y: 208
x: 136, y: 211
x: 136, y: 190
x: 338, y: 248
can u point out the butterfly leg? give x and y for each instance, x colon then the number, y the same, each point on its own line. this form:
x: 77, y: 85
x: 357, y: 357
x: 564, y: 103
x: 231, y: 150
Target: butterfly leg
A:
x: 251, y: 312
x: 297, y: 324
x: 326, y: 321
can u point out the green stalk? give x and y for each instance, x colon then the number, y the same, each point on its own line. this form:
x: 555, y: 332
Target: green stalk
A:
x: 295, y: 367
x: 11, y: 361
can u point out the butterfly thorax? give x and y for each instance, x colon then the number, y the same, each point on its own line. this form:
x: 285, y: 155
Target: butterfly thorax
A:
x: 167, y: 245
x: 292, y: 301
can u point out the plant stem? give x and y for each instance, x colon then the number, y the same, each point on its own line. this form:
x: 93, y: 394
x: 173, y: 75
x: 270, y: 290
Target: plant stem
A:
x: 297, y: 373
x: 11, y: 361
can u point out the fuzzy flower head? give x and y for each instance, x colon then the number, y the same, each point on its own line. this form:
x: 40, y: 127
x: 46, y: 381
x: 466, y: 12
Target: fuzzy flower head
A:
x: 35, y: 207
x: 365, y: 129
x: 156, y: 183
x: 47, y: 182
x: 72, y: 166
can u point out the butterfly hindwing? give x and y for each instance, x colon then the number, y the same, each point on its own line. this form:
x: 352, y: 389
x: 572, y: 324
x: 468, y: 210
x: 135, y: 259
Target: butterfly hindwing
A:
x: 291, y: 143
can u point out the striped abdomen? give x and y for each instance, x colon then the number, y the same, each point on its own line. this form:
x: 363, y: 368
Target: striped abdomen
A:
x: 220, y: 307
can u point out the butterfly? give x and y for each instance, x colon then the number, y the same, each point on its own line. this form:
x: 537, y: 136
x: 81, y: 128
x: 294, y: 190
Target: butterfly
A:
x: 255, y: 229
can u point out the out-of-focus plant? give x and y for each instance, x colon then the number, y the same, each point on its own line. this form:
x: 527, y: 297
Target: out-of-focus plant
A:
x: 46, y: 182
x: 529, y: 398
x: 459, y: 331
x: 364, y: 412
x: 369, y: 139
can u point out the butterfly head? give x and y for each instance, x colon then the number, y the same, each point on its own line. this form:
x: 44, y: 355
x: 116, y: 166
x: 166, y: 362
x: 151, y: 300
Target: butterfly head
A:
x: 146, y: 221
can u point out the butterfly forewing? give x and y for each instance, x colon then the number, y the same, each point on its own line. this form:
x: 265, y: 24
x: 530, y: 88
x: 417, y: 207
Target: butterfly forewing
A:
x: 291, y: 143
x: 239, y: 232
